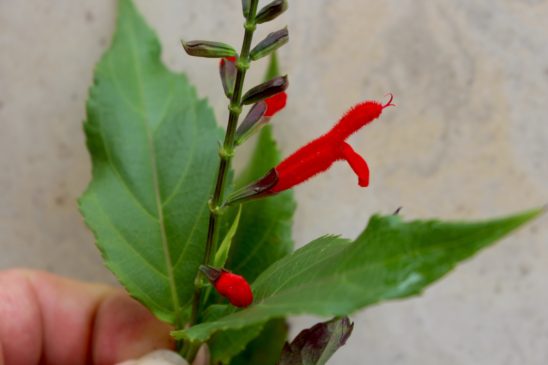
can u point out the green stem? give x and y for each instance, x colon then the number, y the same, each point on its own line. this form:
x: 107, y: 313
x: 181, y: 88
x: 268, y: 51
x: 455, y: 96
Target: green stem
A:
x: 226, y: 152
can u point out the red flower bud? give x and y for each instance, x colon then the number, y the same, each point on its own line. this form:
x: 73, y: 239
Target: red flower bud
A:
x: 234, y: 288
x: 275, y: 103
x: 231, y: 286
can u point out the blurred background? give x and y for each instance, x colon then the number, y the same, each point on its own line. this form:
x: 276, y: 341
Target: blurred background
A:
x: 467, y: 140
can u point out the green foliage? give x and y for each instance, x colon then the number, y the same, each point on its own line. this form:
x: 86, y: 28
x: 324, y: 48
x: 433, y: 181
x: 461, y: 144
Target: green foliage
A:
x: 391, y: 259
x: 223, y: 250
x: 153, y: 145
x: 266, y: 348
x: 225, y: 345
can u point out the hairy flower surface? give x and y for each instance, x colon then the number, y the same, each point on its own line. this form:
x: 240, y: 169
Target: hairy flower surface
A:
x: 318, y: 155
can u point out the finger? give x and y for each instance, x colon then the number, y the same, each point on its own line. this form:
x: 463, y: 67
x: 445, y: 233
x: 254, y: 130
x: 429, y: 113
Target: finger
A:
x: 52, y: 320
x: 159, y: 357
x: 1, y: 355
x: 124, y: 329
x: 67, y: 310
x: 20, y: 319
x: 203, y: 356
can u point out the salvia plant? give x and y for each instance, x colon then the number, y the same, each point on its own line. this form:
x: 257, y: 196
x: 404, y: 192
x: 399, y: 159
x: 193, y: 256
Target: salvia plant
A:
x: 210, y: 251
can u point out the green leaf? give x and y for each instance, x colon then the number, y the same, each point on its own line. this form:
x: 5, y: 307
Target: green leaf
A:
x: 316, y: 345
x: 334, y: 277
x: 226, y: 344
x: 266, y: 348
x: 153, y: 146
x: 273, y: 69
x: 222, y: 253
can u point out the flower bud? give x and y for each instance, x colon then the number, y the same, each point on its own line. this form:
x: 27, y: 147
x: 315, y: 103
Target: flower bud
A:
x: 208, y: 49
x: 271, y: 43
x: 251, y: 122
x: 265, y: 90
x: 275, y: 103
x: 228, y: 71
x: 271, y: 11
x: 246, y: 5
x: 231, y: 286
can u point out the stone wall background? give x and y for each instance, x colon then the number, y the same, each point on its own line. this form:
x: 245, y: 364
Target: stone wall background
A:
x: 469, y: 139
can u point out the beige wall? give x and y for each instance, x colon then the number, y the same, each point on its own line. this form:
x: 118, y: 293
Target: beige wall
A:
x: 469, y: 139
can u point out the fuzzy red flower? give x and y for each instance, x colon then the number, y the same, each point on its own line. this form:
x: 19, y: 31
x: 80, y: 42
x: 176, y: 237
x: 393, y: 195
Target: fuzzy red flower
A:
x: 318, y: 155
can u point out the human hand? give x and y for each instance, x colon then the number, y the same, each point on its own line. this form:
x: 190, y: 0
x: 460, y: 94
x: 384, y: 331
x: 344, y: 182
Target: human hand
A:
x: 47, y: 319
x: 166, y: 357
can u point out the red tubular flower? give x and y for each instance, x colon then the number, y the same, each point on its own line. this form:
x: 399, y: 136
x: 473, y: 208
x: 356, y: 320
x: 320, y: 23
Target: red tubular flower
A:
x: 318, y: 155
x: 231, y: 286
x: 275, y: 103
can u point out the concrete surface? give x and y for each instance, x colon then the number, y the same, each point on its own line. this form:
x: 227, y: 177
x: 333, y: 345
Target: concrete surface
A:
x: 469, y: 139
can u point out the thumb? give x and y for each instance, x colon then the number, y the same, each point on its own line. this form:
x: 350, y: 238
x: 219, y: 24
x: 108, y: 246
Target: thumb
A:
x: 167, y: 357
x: 158, y: 357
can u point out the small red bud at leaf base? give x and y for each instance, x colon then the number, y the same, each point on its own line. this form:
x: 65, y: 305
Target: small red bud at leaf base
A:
x: 318, y: 155
x: 234, y: 288
x: 231, y: 286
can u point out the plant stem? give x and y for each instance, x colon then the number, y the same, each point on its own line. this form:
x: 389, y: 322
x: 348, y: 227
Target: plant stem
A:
x: 226, y: 152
